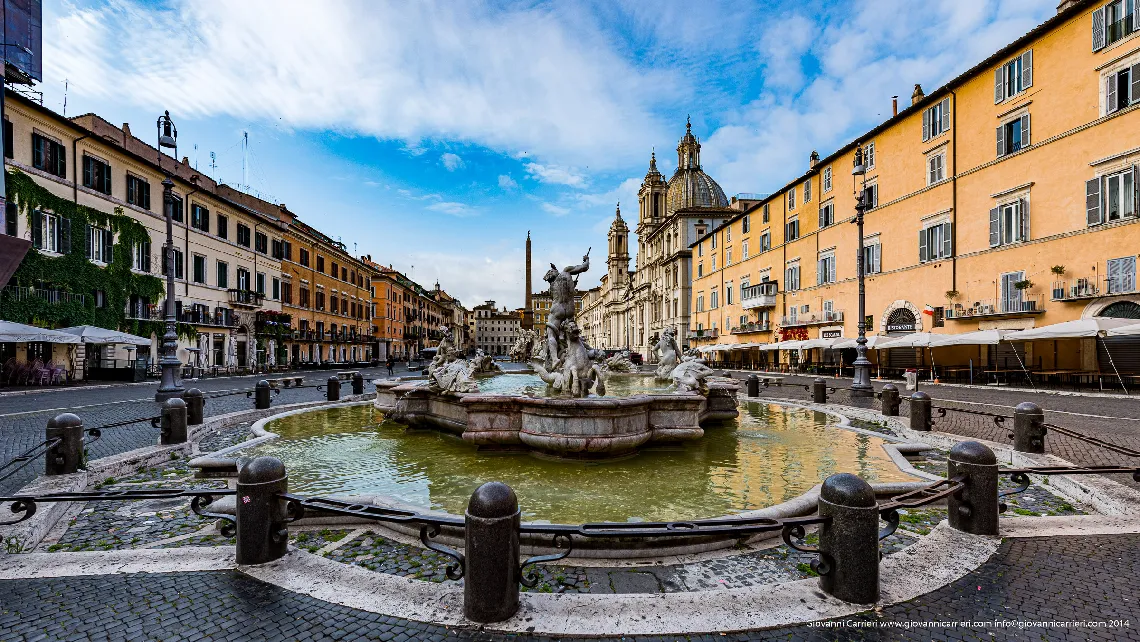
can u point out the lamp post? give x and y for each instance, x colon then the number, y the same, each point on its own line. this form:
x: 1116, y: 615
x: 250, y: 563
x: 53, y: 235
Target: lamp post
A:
x: 171, y: 384
x: 861, y: 385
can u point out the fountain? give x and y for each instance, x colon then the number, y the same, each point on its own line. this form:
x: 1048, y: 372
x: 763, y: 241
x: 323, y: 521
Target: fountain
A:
x: 573, y: 418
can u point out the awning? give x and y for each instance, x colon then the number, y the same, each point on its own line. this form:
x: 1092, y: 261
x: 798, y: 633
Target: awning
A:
x: 790, y: 345
x: 12, y: 332
x: 978, y: 338
x: 1081, y: 328
x: 767, y: 347
x: 914, y: 340
x: 1125, y: 330
x: 103, y: 336
x: 874, y: 341
x: 817, y: 343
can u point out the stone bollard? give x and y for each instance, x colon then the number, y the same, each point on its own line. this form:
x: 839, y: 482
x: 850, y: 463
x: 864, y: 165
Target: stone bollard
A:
x: 195, y: 405
x: 173, y: 422
x: 819, y: 391
x: 65, y: 457
x: 1029, y: 428
x: 753, y: 386
x: 357, y: 384
x: 920, y: 411
x: 332, y: 389
x: 974, y: 509
x: 850, y: 541
x: 491, y: 550
x: 261, y: 394
x: 261, y: 532
x: 890, y: 400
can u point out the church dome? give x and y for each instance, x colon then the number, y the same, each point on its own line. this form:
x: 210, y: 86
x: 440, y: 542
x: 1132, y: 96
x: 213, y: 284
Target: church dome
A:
x: 690, y: 187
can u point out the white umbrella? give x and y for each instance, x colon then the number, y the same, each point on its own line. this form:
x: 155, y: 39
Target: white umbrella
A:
x: 913, y: 340
x: 873, y: 342
x: 12, y: 332
x: 271, y: 356
x: 978, y: 338
x: 817, y: 343
x: 203, y: 350
x: 231, y: 351
x: 1125, y: 330
x: 789, y: 345
x: 96, y: 335
x: 1081, y: 328
x: 768, y: 347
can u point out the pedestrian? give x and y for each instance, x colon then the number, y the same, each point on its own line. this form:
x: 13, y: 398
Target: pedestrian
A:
x: 391, y: 363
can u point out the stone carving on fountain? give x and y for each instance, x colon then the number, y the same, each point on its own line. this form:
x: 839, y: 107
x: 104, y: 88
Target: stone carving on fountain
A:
x: 524, y: 348
x: 668, y: 354
x: 448, y: 373
x: 690, y: 374
x: 485, y: 364
x: 620, y: 362
x: 568, y: 364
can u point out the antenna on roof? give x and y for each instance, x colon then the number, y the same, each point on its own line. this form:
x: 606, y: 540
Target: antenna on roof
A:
x: 65, y: 97
x: 244, y: 153
x: 213, y: 164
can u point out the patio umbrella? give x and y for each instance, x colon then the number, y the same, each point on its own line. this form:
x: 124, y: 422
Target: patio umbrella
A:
x: 12, y: 332
x: 271, y: 355
x: 96, y: 335
x: 817, y: 343
x: 1081, y: 328
x: 874, y: 342
x: 1124, y: 331
x: 978, y: 338
x: 231, y: 351
x: 913, y: 340
x: 203, y: 350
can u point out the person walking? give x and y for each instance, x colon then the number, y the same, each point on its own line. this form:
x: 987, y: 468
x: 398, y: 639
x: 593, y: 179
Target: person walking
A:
x: 391, y: 363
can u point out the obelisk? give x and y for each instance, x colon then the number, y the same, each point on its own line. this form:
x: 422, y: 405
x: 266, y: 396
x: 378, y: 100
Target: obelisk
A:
x: 528, y: 307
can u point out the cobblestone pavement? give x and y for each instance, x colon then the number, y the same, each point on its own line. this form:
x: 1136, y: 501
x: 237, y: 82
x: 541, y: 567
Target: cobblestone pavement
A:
x: 1038, y: 581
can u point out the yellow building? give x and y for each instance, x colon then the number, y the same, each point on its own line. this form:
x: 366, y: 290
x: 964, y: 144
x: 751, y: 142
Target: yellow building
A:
x: 1019, y: 180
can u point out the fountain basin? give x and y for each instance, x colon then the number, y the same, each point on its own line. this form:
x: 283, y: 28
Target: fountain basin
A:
x: 585, y: 428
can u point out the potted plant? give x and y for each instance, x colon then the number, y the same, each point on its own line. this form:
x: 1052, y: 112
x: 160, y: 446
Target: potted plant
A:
x: 1023, y: 285
x: 1059, y: 270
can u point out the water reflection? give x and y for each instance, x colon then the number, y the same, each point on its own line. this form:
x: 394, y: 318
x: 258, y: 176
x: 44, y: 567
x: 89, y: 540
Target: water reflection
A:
x: 769, y: 455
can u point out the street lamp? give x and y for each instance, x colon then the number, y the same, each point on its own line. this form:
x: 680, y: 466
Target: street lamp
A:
x: 171, y: 384
x: 861, y: 385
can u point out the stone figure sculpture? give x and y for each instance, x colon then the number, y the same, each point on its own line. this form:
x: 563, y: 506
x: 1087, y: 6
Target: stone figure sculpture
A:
x: 447, y: 372
x: 484, y: 364
x: 574, y: 372
x: 620, y: 362
x: 689, y: 375
x: 668, y: 353
x: 523, y: 349
x: 562, y: 290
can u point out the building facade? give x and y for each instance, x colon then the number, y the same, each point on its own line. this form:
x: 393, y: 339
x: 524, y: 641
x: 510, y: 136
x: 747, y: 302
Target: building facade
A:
x: 1006, y: 199
x: 496, y: 330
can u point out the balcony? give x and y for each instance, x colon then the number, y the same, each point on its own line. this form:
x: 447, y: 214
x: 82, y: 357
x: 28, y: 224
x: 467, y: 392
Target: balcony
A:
x: 17, y: 293
x: 1027, y: 305
x: 1119, y: 29
x: 761, y: 295
x: 812, y: 318
x: 246, y: 298
x: 708, y: 333
x: 749, y: 328
x: 194, y: 315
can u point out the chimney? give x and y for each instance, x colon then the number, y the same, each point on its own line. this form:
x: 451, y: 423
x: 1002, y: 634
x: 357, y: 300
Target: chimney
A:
x: 894, y: 106
x: 917, y: 95
x: 813, y: 160
x: 126, y: 131
x: 186, y: 161
x: 1066, y: 4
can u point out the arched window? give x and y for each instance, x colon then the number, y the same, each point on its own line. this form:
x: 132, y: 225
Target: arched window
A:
x: 902, y: 320
x: 1121, y: 310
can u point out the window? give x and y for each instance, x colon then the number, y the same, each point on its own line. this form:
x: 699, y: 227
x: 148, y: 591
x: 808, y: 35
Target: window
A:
x: 728, y: 256
x: 825, y: 272
x: 199, y: 269
x: 320, y: 298
x: 286, y: 293
x: 1011, y: 295
x: 223, y: 275
x: 700, y: 270
x: 1009, y: 223
x: 826, y: 180
x: 792, y: 278
x: 96, y: 175
x: 199, y: 218
x: 871, y: 196
x: 713, y: 266
x: 869, y: 155
x: 728, y: 293
x: 1113, y: 197
x: 261, y: 243
x: 303, y: 256
x: 51, y: 233
x: 827, y: 215
x: 138, y: 192
x: 287, y: 251
x: 1013, y: 77
x: 179, y: 264
x: 765, y: 241
x: 243, y: 279
x: 936, y: 119
x: 765, y: 217
x: 792, y: 199
x: 99, y: 244
x: 320, y: 264
x: 1121, y: 275
x: 223, y: 226
x: 744, y: 250
x: 1013, y: 136
x: 728, y: 235
x: 49, y: 156
x: 700, y: 249
x: 100, y: 298
x: 1121, y: 88
x: 935, y: 243
x: 278, y: 249
x: 792, y: 230
x: 714, y: 235
x: 176, y: 209
x: 936, y: 168
x: 744, y: 224
x: 714, y: 302
x: 11, y: 219
x: 700, y: 302
x: 242, y: 235
x: 872, y: 258
x: 1112, y: 22
x: 140, y: 257
x: 303, y: 297
x: 276, y: 288
x: 807, y: 191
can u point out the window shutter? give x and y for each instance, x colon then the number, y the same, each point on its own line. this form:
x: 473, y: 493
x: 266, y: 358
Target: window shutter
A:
x: 87, y: 180
x: 995, y: 227
x: 926, y: 125
x: 1023, y: 205
x: 1135, y: 82
x: 61, y: 162
x: 922, y: 253
x: 1110, y: 94
x: 878, y: 258
x: 206, y: 220
x: 1001, y: 141
x: 108, y: 245
x: 999, y: 84
x: 87, y: 240
x: 37, y: 230
x: 819, y: 268
x: 822, y: 211
x: 946, y: 114
x: 1098, y: 29
x: 831, y: 273
x: 146, y: 256
x: 1025, y: 142
x: 1135, y: 190
x: 1027, y: 69
x: 1092, y: 201
x: 64, y: 240
x: 106, y: 179
x: 947, y: 241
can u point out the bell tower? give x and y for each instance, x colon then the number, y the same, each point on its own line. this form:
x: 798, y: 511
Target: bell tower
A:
x: 618, y: 259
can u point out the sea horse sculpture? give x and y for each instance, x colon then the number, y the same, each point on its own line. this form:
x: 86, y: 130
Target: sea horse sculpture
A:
x: 574, y: 372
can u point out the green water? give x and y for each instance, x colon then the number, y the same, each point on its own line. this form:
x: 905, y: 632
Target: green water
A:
x: 531, y: 384
x: 771, y: 454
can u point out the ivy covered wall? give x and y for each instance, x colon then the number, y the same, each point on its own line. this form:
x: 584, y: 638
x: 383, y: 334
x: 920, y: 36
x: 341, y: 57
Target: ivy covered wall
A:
x: 72, y: 272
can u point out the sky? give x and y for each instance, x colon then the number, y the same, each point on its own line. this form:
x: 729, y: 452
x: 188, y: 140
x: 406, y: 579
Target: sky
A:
x: 433, y: 135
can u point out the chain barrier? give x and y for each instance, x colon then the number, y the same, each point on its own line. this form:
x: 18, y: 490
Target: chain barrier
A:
x: 28, y: 456
x: 26, y: 505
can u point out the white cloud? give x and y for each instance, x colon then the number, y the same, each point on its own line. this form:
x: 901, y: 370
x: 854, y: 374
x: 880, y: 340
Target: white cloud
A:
x: 626, y: 192
x: 451, y: 161
x: 555, y: 175
x: 506, y: 182
x: 555, y: 209
x: 452, y: 208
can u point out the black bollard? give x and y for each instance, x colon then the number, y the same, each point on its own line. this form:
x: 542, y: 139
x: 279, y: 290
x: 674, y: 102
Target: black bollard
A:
x: 332, y: 389
x: 65, y: 457
x: 819, y: 391
x: 261, y: 532
x: 1029, y: 428
x: 173, y: 422
x: 195, y: 405
x: 357, y: 383
x: 890, y: 400
x: 920, y: 411
x: 850, y: 541
x: 974, y: 509
x: 261, y: 395
x: 491, y: 549
x: 753, y: 386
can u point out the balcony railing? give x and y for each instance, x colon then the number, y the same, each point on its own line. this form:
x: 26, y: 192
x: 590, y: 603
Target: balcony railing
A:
x: 761, y: 295
x: 1080, y: 289
x: 1026, y: 305
x: 752, y: 327
x: 1118, y: 29
x: 248, y: 298
x: 220, y: 317
x: 17, y: 293
x: 813, y: 318
x: 707, y: 333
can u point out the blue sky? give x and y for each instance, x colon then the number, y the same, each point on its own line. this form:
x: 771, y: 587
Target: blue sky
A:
x: 435, y: 134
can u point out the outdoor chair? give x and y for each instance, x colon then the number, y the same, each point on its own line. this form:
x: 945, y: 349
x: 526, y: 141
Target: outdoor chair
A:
x: 58, y: 374
x: 11, y: 367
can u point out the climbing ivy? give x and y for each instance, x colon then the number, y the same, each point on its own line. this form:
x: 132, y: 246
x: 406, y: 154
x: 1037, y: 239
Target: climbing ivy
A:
x: 74, y: 273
